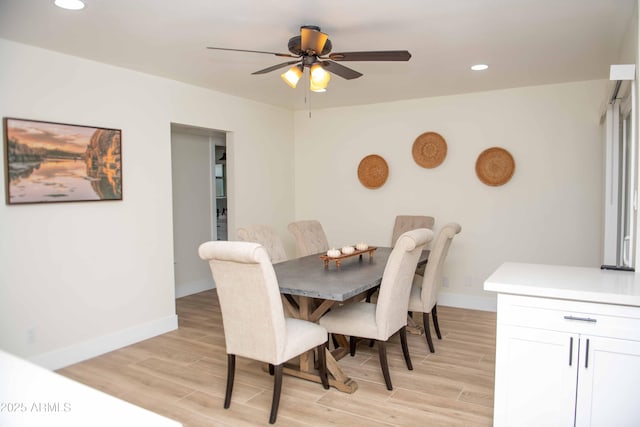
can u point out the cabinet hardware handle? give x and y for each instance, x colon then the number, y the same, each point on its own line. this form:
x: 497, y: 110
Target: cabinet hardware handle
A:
x: 582, y: 319
x: 570, y: 350
x: 586, y: 355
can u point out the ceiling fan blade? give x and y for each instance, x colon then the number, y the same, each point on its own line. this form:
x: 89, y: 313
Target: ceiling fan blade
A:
x: 285, y: 55
x: 312, y: 39
x: 379, y: 55
x: 340, y: 70
x: 275, y: 67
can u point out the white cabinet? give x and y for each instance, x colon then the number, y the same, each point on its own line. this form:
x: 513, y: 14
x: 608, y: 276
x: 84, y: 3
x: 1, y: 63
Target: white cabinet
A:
x: 566, y: 363
x: 609, y: 385
x: 535, y: 386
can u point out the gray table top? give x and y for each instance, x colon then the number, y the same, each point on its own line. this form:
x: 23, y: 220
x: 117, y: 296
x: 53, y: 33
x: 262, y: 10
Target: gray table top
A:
x: 307, y: 276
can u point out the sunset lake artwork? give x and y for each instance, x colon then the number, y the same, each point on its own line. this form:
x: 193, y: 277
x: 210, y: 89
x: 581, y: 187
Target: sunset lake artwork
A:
x: 52, y: 162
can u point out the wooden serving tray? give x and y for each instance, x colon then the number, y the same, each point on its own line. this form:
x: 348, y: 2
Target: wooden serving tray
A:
x: 338, y: 259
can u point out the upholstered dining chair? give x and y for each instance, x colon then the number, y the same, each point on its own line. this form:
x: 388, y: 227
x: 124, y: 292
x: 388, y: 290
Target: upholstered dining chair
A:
x: 267, y: 237
x: 309, y: 236
x: 253, y: 316
x: 424, y: 291
x: 405, y: 223
x: 388, y: 315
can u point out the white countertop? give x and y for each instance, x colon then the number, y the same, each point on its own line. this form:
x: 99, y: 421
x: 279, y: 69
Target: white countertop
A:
x: 31, y: 396
x: 565, y: 282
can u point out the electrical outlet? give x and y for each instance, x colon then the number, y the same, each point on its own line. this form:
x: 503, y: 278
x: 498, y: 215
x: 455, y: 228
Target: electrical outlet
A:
x: 31, y: 335
x: 445, y: 282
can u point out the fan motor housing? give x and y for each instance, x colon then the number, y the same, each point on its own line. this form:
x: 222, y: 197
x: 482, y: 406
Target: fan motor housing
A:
x: 295, y: 46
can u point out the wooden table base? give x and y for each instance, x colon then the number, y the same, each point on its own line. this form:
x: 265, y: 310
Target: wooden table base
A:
x: 306, y: 370
x: 413, y: 327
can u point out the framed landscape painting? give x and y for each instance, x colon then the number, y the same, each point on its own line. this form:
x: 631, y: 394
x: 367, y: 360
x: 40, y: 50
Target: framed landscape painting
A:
x: 53, y: 162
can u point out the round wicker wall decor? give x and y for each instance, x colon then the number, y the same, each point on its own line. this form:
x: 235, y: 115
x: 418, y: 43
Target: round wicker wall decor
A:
x: 429, y: 150
x: 495, y: 166
x: 373, y: 171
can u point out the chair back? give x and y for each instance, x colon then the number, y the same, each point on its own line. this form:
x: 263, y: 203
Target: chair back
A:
x: 393, y: 299
x: 405, y: 223
x: 309, y: 236
x: 433, y: 271
x: 267, y: 237
x: 252, y: 313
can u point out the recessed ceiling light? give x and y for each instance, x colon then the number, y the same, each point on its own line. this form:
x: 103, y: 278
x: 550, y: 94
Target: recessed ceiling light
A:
x: 70, y: 4
x: 479, y: 67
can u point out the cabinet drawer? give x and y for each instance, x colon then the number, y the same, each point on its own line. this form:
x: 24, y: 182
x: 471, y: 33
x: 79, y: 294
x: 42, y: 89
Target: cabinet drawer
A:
x: 570, y: 316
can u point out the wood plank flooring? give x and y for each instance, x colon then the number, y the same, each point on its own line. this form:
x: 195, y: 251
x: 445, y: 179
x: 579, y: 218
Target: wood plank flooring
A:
x: 182, y: 375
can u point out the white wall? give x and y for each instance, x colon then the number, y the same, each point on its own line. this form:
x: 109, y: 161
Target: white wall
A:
x: 550, y: 212
x: 79, y: 279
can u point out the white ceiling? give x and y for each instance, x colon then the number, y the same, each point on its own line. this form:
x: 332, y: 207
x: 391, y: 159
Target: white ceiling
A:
x: 525, y: 42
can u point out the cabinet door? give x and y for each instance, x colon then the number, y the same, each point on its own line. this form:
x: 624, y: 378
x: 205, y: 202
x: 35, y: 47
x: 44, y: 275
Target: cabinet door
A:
x: 536, y: 377
x: 608, y: 383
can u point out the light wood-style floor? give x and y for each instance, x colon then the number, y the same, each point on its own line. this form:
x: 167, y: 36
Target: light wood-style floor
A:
x: 182, y: 375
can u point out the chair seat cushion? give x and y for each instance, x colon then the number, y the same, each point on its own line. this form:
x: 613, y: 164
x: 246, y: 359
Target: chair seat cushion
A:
x: 357, y: 319
x: 301, y: 336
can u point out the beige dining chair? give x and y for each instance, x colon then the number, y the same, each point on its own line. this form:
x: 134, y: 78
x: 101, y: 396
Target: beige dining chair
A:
x: 309, y: 236
x: 405, y: 223
x: 388, y: 315
x: 267, y: 237
x: 424, y: 291
x: 252, y: 314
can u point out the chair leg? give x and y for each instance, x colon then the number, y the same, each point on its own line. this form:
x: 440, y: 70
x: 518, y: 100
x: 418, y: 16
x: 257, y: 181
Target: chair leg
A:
x: 427, y: 331
x: 405, y: 347
x: 352, y: 346
x: 335, y: 341
x: 382, y: 353
x: 231, y: 369
x: 270, y: 369
x: 434, y: 314
x: 322, y: 366
x: 371, y: 292
x: 277, y: 388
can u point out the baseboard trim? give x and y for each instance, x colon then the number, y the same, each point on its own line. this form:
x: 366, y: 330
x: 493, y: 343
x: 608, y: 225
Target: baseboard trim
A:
x: 185, y: 289
x: 472, y: 302
x: 75, y: 353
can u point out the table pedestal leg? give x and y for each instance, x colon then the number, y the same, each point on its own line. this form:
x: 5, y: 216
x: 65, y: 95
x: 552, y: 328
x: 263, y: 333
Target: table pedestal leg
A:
x: 337, y: 377
x: 307, y: 371
x: 413, y: 327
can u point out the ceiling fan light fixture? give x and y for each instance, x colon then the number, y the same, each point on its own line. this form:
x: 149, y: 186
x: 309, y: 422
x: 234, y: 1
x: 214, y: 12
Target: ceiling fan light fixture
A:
x: 292, y: 76
x: 70, y: 4
x: 316, y: 88
x: 319, y: 78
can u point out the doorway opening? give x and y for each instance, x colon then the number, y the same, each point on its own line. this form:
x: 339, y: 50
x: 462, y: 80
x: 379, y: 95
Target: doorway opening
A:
x: 200, y: 211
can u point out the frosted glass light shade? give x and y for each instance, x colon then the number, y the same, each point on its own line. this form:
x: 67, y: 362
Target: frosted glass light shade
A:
x: 292, y: 76
x: 315, y: 88
x: 319, y: 78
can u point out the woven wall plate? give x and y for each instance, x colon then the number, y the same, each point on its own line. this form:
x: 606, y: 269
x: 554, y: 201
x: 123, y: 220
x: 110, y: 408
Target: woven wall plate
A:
x: 495, y: 166
x: 429, y: 150
x: 373, y: 171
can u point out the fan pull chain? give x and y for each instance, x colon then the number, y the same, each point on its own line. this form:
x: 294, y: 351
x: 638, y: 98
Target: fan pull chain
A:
x: 307, y: 100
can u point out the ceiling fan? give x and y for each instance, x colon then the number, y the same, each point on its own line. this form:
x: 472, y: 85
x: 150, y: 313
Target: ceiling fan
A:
x: 312, y: 49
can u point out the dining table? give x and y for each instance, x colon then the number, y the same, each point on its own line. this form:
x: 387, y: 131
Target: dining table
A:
x: 310, y: 288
